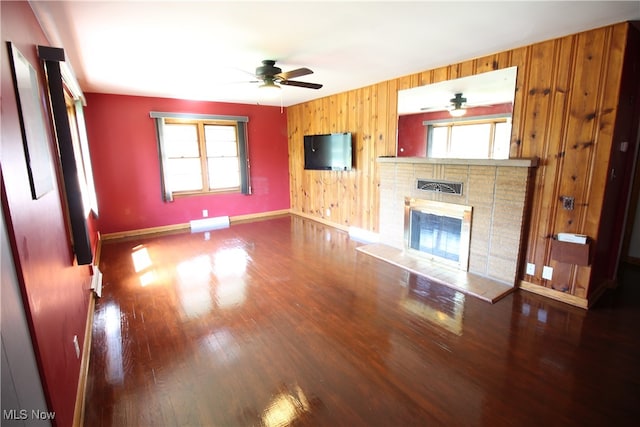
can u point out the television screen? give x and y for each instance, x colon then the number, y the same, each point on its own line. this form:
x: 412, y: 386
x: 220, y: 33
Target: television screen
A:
x: 328, y: 152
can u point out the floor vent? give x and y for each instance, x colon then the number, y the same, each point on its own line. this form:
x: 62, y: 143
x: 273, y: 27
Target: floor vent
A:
x: 440, y: 186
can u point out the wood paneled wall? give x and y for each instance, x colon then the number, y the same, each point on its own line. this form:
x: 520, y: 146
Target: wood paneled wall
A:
x: 344, y: 198
x: 564, y: 114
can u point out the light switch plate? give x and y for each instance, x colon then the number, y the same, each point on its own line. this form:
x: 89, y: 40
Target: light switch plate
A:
x: 531, y: 269
x: 547, y: 272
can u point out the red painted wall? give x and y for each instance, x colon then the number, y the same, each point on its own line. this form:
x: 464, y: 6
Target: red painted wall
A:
x: 55, y: 292
x: 123, y: 145
x: 412, y: 134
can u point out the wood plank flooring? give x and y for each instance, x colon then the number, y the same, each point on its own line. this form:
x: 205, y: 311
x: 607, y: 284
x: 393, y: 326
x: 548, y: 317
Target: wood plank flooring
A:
x: 282, y: 322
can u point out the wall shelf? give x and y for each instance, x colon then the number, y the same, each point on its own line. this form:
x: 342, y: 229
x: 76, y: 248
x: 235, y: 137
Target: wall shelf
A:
x: 522, y: 163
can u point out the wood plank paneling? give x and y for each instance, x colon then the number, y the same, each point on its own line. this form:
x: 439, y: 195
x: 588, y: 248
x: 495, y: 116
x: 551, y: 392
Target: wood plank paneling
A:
x: 564, y: 113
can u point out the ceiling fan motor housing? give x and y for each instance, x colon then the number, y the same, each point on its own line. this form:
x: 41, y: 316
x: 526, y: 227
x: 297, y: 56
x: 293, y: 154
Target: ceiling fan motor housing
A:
x: 268, y: 69
x: 458, y: 100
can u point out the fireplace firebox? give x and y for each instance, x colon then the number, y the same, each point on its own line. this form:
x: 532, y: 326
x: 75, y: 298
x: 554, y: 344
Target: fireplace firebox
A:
x: 439, y: 231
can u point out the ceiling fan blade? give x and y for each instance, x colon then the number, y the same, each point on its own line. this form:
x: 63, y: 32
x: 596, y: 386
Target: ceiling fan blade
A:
x: 294, y: 73
x: 301, y: 84
x: 222, y: 85
x: 241, y: 81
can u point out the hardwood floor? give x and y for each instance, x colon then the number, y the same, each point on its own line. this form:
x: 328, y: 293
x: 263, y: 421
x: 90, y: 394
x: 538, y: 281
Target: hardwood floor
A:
x: 282, y: 322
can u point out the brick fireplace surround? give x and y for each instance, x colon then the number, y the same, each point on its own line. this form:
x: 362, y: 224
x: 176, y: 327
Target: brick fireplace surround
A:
x: 495, y: 189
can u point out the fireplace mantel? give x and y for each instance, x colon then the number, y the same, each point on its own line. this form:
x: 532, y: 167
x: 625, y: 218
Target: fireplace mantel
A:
x: 521, y: 163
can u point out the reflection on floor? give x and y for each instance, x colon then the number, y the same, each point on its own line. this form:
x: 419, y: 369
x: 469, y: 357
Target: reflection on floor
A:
x: 283, y: 322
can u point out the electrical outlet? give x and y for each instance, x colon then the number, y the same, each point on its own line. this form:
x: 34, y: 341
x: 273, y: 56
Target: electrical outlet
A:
x: 547, y: 272
x: 205, y: 213
x: 531, y: 269
x: 328, y: 212
x: 76, y: 344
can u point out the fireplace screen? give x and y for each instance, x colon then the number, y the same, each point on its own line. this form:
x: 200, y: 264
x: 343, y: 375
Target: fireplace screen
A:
x: 439, y: 230
x: 435, y: 235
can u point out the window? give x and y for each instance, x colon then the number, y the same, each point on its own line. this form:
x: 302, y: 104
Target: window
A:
x: 477, y: 139
x: 81, y: 150
x: 202, y: 154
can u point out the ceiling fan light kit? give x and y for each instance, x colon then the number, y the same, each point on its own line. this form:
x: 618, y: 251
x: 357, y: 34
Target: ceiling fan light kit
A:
x: 269, y: 90
x: 457, y: 106
x: 457, y: 109
x: 457, y: 112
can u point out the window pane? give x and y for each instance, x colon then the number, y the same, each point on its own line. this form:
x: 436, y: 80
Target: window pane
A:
x: 198, y: 150
x: 181, y: 140
x: 220, y: 132
x: 222, y: 149
x: 470, y: 141
x: 438, y: 143
x: 502, y: 141
x: 224, y: 172
x: 186, y: 183
x: 221, y: 141
x: 79, y: 154
x: 186, y: 174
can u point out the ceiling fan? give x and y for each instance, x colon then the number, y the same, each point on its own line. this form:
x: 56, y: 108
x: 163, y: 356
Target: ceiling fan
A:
x: 458, y: 104
x: 272, y: 76
x: 456, y: 107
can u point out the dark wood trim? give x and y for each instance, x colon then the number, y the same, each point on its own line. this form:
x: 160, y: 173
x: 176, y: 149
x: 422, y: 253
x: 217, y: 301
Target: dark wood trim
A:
x: 75, y: 209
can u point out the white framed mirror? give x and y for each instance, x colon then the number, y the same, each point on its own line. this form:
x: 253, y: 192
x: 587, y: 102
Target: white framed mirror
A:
x: 468, y: 117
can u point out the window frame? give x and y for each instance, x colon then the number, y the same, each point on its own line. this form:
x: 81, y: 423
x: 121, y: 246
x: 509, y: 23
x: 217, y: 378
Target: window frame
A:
x: 450, y: 124
x: 202, y: 120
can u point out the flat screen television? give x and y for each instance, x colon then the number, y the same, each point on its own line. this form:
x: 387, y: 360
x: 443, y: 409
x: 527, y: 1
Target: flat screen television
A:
x: 328, y: 152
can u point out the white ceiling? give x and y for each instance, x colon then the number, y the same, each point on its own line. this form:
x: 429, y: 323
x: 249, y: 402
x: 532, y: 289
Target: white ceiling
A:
x: 208, y: 50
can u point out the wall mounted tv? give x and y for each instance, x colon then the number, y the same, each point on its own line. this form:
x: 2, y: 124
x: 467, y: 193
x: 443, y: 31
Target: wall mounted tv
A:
x: 328, y: 152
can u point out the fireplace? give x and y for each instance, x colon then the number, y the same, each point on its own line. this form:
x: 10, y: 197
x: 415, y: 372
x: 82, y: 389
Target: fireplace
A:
x: 439, y: 231
x: 497, y: 190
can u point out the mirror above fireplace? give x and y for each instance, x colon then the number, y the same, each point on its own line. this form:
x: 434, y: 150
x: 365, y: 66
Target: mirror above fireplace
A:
x: 468, y: 117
